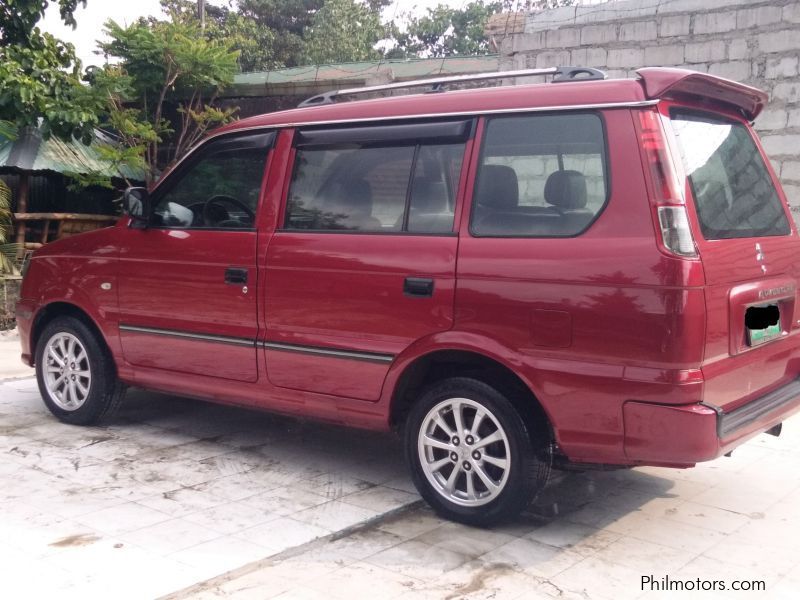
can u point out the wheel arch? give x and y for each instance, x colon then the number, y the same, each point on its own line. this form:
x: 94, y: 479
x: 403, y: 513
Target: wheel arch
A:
x: 444, y: 363
x: 51, y: 311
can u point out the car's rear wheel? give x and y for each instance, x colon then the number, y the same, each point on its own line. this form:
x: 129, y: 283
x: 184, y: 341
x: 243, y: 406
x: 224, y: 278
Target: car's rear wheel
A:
x: 75, y: 373
x: 472, y: 456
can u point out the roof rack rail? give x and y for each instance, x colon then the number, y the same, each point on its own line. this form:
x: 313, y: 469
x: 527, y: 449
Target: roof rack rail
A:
x: 560, y: 74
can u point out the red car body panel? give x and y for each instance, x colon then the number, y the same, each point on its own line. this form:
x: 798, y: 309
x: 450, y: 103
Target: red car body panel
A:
x: 632, y: 352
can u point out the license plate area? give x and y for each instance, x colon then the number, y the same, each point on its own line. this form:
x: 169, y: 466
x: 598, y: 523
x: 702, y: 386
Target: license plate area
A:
x: 762, y: 324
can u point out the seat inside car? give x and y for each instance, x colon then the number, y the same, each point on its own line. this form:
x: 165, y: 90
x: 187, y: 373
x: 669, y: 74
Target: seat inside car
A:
x: 354, y: 200
x: 565, y: 191
x: 498, y: 209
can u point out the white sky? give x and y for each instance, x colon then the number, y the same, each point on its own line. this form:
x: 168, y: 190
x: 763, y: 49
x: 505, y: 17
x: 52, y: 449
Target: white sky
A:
x: 90, y: 19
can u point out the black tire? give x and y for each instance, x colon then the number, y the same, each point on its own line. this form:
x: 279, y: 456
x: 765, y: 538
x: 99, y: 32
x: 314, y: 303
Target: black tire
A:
x: 105, y: 392
x: 528, y: 450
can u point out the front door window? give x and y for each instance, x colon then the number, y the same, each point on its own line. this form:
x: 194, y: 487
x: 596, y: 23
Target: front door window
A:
x: 218, y: 190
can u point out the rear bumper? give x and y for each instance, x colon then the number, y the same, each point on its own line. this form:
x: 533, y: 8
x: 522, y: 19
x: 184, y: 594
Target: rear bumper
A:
x: 728, y: 424
x: 684, y: 435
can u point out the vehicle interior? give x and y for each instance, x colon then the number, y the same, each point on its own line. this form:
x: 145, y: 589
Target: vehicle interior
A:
x: 375, y: 189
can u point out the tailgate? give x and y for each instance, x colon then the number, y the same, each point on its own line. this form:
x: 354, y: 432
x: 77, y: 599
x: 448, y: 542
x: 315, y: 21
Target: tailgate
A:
x: 749, y: 250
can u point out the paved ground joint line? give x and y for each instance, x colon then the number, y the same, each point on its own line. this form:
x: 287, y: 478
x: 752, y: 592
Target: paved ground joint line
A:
x: 209, y: 584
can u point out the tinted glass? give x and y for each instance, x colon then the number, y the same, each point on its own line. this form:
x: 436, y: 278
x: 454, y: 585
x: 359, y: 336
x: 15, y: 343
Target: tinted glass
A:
x: 375, y: 189
x: 355, y: 189
x: 433, y: 191
x: 221, y: 190
x: 733, y: 192
x: 540, y: 176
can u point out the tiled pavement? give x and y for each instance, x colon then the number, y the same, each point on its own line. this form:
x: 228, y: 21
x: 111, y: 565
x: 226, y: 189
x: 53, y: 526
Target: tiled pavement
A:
x: 589, y: 536
x: 204, y: 501
x: 173, y: 492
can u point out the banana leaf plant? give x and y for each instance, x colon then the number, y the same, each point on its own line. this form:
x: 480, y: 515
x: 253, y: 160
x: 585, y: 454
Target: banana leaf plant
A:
x: 8, y: 251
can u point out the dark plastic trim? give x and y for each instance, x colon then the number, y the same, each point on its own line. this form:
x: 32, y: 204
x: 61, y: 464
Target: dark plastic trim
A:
x: 564, y: 74
x: 728, y: 423
x: 202, y: 337
x: 329, y: 352
x: 442, y: 132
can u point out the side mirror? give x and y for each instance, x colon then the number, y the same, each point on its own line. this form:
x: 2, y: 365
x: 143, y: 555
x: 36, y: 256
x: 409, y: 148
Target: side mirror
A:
x: 136, y: 203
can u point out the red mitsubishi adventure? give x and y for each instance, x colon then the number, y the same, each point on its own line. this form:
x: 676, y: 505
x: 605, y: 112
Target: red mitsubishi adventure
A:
x: 584, y: 271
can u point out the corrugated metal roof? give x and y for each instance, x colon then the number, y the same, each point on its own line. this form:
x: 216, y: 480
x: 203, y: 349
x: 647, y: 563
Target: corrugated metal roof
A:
x: 29, y: 152
x: 319, y: 77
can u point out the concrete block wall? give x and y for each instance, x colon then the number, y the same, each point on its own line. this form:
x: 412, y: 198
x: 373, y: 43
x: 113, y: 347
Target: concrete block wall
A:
x: 751, y: 41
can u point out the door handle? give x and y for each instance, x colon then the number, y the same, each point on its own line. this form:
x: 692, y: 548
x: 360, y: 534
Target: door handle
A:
x: 418, y: 287
x: 236, y: 276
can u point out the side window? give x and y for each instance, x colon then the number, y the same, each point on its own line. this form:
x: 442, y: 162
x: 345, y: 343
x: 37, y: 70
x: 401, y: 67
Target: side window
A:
x: 403, y: 187
x: 540, y: 176
x: 433, y: 189
x: 219, y: 190
x: 356, y: 189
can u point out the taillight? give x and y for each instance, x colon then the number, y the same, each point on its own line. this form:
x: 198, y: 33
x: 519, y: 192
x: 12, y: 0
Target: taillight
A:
x: 673, y: 221
x: 675, y: 232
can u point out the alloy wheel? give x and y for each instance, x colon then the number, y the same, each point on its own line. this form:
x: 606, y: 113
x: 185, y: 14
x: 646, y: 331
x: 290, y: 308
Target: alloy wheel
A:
x: 67, y: 375
x: 464, y: 452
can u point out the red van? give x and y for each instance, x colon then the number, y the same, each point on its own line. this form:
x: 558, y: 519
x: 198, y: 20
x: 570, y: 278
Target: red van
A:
x: 576, y: 273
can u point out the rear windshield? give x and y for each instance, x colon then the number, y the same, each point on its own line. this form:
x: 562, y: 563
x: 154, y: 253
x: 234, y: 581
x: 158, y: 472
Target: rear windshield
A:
x: 733, y: 192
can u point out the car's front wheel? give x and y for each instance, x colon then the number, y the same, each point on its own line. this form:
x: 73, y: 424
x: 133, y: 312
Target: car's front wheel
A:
x: 75, y: 373
x: 472, y: 456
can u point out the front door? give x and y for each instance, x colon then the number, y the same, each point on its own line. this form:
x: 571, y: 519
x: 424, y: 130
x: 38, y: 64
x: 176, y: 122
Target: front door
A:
x: 363, y: 264
x: 187, y: 282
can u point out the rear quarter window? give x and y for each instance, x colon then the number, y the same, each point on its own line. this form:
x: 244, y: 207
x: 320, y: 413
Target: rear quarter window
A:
x: 734, y: 194
x: 540, y: 176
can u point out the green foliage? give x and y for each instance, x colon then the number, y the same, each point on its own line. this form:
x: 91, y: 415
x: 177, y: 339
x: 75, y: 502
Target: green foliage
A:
x: 5, y: 212
x: 40, y: 76
x: 162, y: 64
x: 267, y: 33
x: 287, y: 20
x: 41, y: 82
x: 271, y: 34
x: 7, y: 130
x: 8, y: 252
x: 8, y: 259
x: 169, y: 57
x: 18, y: 18
x: 343, y: 31
x: 447, y: 31
x: 254, y: 42
x: 258, y: 46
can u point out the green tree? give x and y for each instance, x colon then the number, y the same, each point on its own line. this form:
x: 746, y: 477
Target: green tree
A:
x: 271, y: 34
x: 165, y: 82
x: 344, y: 31
x: 40, y: 77
x: 18, y: 18
x: 287, y: 21
x: 448, y: 31
x: 254, y: 41
x: 8, y: 251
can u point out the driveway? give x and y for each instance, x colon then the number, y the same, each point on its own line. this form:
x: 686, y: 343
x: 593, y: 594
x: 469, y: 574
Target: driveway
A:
x: 590, y: 536
x: 173, y: 492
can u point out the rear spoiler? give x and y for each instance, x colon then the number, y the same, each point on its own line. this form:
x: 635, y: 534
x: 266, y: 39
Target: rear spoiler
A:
x: 680, y: 84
